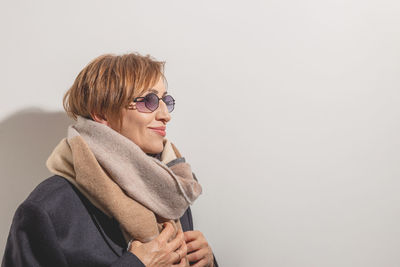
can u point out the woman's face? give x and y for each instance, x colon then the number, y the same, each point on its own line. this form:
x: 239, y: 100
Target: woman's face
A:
x: 140, y: 127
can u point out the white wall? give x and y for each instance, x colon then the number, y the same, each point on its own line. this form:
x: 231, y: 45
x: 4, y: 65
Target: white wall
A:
x: 288, y: 112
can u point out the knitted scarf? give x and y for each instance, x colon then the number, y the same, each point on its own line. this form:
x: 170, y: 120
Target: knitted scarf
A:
x: 139, y: 191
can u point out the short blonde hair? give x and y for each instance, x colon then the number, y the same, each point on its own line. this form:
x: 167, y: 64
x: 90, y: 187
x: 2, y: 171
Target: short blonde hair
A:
x: 109, y: 83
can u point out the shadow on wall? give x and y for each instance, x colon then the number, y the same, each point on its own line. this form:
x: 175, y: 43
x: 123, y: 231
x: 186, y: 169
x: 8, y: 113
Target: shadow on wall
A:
x: 26, y: 139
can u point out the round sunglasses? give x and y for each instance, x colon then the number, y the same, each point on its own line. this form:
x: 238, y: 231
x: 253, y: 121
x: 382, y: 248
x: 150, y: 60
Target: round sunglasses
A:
x: 151, y: 101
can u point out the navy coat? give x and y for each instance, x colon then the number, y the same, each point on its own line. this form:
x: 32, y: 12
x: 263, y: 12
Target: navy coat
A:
x: 57, y: 226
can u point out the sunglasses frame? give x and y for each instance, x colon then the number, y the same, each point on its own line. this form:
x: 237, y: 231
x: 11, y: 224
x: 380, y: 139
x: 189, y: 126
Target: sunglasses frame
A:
x: 143, y: 99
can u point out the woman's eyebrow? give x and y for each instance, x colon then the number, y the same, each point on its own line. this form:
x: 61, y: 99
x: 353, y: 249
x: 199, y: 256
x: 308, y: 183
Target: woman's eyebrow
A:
x: 156, y: 92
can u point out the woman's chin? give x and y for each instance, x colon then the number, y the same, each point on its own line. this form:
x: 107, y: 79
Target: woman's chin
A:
x: 154, y: 149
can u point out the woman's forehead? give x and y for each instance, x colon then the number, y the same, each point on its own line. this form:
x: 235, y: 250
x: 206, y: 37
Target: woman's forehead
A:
x: 158, y: 88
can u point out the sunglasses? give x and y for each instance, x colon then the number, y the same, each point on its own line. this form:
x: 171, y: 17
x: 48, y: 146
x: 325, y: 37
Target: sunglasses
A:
x: 150, y: 102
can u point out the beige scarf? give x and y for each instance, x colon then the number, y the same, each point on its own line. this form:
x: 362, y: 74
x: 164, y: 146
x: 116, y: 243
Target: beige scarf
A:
x: 139, y: 191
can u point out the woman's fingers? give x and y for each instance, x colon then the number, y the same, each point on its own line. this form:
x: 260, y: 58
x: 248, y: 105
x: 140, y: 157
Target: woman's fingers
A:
x: 195, y: 245
x: 180, y: 253
x: 198, y: 255
x: 176, y: 242
x: 192, y: 235
x: 161, y: 250
x: 175, y: 245
x: 166, y: 233
x: 182, y: 263
x: 198, y: 249
x: 200, y: 263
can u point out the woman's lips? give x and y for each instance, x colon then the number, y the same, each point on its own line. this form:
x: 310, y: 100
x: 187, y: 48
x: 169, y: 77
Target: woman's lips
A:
x: 160, y: 131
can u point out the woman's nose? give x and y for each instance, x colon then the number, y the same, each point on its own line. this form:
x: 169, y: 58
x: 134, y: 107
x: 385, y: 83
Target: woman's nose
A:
x: 162, y: 112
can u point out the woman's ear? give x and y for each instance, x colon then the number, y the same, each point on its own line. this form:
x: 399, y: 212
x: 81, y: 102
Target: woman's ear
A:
x: 100, y: 119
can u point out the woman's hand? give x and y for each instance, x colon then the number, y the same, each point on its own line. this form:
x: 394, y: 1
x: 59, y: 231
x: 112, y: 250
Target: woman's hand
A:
x: 159, y: 252
x: 198, y: 249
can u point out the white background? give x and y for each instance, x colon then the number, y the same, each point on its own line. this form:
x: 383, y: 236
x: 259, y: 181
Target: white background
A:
x: 288, y: 112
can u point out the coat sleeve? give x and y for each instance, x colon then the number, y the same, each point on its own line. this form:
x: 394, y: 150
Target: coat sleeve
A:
x: 32, y: 240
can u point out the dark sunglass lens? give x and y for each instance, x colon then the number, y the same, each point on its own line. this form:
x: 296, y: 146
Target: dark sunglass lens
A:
x: 170, y: 102
x: 141, y: 106
x: 151, y: 101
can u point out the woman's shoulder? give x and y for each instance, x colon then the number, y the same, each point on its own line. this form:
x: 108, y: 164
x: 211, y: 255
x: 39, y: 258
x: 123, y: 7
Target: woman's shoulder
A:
x: 51, y: 189
x: 53, y: 195
x: 56, y: 220
x: 55, y: 202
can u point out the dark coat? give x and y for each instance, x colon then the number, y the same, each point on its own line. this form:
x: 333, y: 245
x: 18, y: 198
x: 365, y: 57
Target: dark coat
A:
x: 57, y: 226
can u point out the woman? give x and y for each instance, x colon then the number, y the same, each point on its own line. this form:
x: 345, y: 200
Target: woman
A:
x: 121, y: 191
